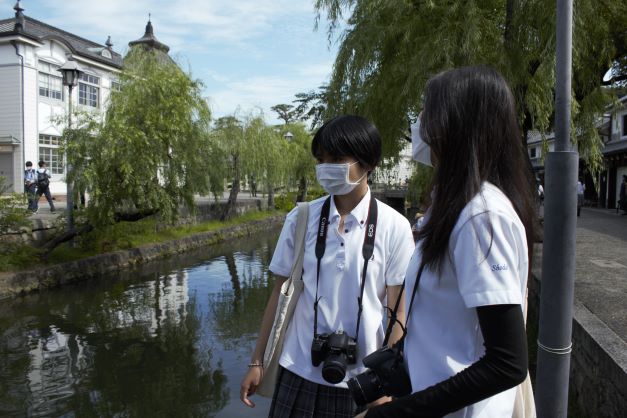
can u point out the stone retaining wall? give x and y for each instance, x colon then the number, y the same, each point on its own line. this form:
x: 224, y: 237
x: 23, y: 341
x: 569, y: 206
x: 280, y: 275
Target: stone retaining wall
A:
x: 12, y: 284
x: 598, y: 364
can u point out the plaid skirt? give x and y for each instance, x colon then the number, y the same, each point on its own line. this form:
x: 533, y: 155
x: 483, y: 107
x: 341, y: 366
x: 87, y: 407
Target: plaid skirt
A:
x: 295, y: 397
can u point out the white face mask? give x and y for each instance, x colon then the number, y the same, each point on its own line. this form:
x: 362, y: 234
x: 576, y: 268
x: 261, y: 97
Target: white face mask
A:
x: 420, y: 150
x: 334, y: 178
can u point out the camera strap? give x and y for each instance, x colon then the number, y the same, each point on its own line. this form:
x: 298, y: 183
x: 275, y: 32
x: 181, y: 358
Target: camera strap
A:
x: 393, y: 315
x: 366, y: 251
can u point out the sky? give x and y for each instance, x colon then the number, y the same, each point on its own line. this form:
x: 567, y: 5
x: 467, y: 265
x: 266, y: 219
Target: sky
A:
x: 250, y: 54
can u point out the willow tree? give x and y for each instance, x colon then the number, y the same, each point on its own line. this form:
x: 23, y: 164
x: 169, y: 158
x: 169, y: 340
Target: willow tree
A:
x: 150, y: 154
x: 302, y: 166
x: 389, y: 49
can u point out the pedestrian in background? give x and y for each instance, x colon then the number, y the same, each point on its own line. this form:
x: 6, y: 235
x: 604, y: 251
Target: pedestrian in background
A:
x: 43, y: 184
x: 580, y: 189
x: 30, y: 186
x: 623, y: 195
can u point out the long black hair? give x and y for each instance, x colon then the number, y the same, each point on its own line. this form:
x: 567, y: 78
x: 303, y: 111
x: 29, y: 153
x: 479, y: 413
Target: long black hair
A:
x: 469, y: 121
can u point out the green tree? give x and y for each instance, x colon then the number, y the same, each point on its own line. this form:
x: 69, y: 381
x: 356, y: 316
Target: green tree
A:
x: 285, y: 112
x: 302, y: 162
x: 150, y: 154
x: 389, y: 49
x: 272, y: 159
x: 312, y: 105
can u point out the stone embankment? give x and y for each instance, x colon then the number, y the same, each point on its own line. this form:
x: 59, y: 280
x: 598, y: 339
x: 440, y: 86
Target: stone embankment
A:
x: 12, y: 284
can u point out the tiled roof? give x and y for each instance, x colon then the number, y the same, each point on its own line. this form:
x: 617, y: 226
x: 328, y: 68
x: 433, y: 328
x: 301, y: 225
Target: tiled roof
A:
x: 79, y: 46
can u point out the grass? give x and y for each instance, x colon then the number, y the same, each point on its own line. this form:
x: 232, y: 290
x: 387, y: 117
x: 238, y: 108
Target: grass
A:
x: 121, y: 236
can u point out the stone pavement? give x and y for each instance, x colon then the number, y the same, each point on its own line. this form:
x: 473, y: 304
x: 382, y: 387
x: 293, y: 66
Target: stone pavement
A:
x: 601, y: 266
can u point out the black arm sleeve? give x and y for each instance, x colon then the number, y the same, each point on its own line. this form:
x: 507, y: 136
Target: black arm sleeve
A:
x: 503, y: 366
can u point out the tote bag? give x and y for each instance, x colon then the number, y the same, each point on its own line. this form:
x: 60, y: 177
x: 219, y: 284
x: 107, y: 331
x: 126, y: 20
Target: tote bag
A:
x: 290, y: 292
x: 524, y: 404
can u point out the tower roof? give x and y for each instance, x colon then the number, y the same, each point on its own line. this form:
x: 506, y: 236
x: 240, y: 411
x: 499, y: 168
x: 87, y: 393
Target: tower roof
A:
x: 149, y: 40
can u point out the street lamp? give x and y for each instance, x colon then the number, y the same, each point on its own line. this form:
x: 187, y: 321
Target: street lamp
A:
x: 71, y: 73
x: 288, y: 136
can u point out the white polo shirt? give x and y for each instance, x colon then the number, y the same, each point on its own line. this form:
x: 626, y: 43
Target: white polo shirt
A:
x: 488, y: 265
x: 340, y: 280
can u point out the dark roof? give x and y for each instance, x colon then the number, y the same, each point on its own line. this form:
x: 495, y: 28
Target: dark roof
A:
x: 40, y: 31
x: 149, y: 40
x: 615, y: 147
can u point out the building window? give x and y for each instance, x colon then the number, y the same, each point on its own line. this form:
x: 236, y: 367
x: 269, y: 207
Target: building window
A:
x: 50, y: 82
x: 533, y: 152
x: 50, y: 154
x: 88, y: 90
x: 116, y: 86
x: 625, y: 125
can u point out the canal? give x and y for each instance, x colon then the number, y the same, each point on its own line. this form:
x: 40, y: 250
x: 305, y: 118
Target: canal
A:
x: 169, y: 339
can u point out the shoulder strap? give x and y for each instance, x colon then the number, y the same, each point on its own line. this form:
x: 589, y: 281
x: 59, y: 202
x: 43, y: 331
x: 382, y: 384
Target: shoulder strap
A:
x: 299, y: 238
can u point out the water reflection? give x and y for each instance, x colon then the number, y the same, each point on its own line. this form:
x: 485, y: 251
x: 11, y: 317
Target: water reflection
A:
x: 169, y: 339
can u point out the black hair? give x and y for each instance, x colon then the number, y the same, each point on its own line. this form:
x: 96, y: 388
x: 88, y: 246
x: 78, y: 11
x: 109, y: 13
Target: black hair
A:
x: 28, y: 163
x: 349, y: 135
x: 469, y: 121
x: 41, y: 163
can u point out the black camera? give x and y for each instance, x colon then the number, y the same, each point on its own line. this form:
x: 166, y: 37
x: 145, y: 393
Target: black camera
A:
x: 336, y: 351
x: 387, y: 376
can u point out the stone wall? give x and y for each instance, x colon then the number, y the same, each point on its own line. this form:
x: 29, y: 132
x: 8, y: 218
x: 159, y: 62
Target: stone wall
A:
x: 12, y: 284
x: 598, y: 365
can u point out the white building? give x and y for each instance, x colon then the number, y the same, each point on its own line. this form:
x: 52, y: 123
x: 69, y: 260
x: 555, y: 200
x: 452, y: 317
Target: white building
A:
x: 613, y: 130
x: 32, y: 92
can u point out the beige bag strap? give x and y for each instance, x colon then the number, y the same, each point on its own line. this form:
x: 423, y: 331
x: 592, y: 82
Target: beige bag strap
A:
x: 299, y: 240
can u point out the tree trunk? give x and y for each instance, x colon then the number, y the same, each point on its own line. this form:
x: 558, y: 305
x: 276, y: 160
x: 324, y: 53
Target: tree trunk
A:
x: 302, y: 190
x: 237, y: 289
x: 230, y: 204
x: 270, y: 196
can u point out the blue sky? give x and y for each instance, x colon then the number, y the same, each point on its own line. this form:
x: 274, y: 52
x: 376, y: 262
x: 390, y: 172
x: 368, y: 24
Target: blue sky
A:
x: 249, y: 53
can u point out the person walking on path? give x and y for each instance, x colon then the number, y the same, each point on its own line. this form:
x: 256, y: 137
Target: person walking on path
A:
x: 30, y: 186
x: 580, y: 189
x: 43, y: 184
x: 622, y: 202
x: 341, y: 229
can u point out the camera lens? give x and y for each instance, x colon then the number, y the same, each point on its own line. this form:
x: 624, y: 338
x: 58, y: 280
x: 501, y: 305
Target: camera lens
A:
x: 365, y: 388
x: 334, y: 368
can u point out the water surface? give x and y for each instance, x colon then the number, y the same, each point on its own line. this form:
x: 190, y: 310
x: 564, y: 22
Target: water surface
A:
x: 170, y: 339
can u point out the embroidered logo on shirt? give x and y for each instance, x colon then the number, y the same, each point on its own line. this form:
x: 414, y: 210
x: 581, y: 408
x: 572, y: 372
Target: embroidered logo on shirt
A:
x: 499, y: 267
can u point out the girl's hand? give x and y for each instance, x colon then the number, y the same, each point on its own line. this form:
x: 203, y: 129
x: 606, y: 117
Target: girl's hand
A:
x: 249, y: 385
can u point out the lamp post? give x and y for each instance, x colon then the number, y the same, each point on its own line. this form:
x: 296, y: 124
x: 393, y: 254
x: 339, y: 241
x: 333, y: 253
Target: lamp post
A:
x: 288, y: 136
x: 71, y: 73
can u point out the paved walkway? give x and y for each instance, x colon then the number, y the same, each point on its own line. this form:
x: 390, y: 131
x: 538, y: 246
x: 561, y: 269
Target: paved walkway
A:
x: 601, y: 267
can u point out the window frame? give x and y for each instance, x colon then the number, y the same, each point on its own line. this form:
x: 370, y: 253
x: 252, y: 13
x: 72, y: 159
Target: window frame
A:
x: 89, y: 86
x: 47, y: 70
x: 49, y: 151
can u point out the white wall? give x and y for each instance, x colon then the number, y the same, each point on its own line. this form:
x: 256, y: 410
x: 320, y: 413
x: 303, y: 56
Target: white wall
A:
x: 10, y: 115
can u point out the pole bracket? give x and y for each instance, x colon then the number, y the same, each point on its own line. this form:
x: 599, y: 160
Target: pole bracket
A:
x: 558, y: 351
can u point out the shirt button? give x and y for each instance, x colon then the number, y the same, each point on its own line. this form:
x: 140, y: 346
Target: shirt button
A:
x: 361, y: 222
x: 341, y: 244
x: 346, y: 230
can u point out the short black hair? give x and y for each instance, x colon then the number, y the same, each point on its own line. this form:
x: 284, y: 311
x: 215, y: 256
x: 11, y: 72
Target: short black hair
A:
x: 42, y: 163
x: 349, y: 135
x: 28, y: 163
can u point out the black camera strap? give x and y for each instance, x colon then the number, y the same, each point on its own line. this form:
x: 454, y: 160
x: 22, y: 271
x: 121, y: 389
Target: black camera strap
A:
x: 393, y: 315
x: 367, y: 251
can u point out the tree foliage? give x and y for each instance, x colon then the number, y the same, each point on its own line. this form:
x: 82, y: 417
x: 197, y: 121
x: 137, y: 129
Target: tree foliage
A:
x: 285, y: 112
x: 389, y: 49
x: 150, y: 153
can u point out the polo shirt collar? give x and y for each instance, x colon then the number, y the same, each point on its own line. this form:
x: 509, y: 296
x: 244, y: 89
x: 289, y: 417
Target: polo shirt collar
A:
x: 359, y: 212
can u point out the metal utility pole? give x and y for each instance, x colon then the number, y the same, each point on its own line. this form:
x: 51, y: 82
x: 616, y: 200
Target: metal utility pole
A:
x: 558, y: 257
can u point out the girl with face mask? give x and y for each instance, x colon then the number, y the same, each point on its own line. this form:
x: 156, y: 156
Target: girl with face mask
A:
x: 465, y: 346
x: 351, y: 291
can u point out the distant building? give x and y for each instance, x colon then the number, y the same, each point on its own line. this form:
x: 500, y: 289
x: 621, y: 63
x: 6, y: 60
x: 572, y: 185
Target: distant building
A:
x: 613, y: 130
x: 32, y: 92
